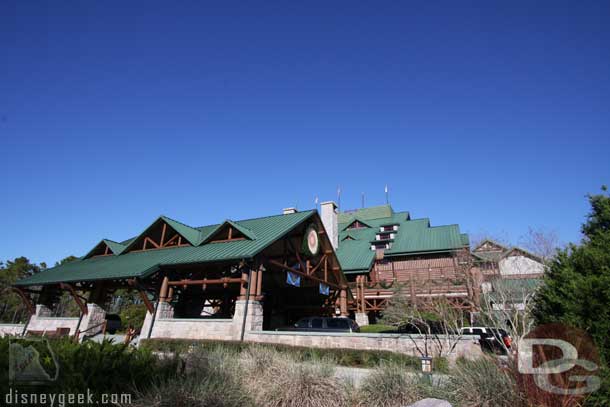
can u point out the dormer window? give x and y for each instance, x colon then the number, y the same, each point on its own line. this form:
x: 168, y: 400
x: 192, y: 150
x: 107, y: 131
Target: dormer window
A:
x: 388, y: 228
x: 380, y: 246
x: 385, y: 236
x: 357, y: 225
x: 229, y: 231
x: 227, y: 234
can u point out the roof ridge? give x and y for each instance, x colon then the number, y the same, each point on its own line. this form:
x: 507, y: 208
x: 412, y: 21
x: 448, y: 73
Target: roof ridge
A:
x: 260, y: 217
x: 177, y: 221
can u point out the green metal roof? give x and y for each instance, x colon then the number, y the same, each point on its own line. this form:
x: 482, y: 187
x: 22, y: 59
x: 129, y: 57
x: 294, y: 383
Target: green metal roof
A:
x: 139, y: 264
x: 412, y: 236
x: 115, y: 247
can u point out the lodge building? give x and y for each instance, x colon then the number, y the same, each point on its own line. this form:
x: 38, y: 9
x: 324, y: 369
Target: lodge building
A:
x: 225, y: 280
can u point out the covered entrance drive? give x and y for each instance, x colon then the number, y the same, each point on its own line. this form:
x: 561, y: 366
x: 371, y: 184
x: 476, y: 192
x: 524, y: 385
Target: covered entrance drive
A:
x: 217, y: 282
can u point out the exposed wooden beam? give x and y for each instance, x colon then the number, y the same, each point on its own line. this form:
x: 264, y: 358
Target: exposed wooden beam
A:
x: 310, y: 277
x: 224, y: 280
x: 26, y: 300
x: 79, y: 302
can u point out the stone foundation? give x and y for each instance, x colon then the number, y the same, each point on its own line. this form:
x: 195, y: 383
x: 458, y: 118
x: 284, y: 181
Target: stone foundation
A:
x: 93, y: 322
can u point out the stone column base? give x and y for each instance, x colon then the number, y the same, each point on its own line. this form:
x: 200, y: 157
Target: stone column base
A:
x: 362, y: 318
x: 93, y: 322
x: 254, y: 318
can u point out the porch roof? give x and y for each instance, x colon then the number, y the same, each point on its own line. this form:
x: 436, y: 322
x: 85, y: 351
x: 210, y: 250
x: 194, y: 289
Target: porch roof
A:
x: 139, y: 264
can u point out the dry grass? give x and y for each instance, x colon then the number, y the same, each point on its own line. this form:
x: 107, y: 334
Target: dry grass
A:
x: 279, y: 380
x: 390, y: 386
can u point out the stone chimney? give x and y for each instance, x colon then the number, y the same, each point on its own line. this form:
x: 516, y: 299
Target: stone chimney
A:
x: 288, y: 211
x: 330, y: 221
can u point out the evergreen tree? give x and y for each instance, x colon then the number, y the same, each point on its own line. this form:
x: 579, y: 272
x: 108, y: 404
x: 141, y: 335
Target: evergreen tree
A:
x: 577, y: 286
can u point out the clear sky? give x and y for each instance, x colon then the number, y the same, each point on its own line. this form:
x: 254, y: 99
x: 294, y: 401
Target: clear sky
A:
x: 493, y: 115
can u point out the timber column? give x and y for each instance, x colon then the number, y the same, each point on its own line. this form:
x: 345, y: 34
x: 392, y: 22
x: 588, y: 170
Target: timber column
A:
x: 165, y: 308
x: 251, y: 310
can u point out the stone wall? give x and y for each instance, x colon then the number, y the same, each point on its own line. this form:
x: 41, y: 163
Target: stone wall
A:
x: 50, y: 324
x: 221, y: 329
x: 164, y: 326
x: 466, y: 347
x: 11, y: 329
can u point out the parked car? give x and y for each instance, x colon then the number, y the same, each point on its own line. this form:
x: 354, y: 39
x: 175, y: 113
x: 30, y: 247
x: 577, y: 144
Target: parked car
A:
x: 324, y: 324
x: 494, y: 340
x: 113, y: 323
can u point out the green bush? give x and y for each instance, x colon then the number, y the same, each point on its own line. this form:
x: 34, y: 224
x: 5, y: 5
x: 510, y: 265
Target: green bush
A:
x: 342, y: 357
x: 133, y: 314
x: 101, y: 367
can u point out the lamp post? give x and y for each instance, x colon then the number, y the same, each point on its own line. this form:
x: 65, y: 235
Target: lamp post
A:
x: 426, y: 365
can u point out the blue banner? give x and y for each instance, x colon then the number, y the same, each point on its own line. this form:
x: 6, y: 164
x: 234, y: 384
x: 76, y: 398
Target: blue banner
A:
x: 324, y: 289
x: 293, y: 279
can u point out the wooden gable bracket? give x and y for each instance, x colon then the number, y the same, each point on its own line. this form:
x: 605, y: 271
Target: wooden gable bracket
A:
x: 79, y: 302
x: 26, y: 300
x: 134, y: 283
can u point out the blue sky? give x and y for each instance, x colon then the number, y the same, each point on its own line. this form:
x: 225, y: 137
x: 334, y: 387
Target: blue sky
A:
x: 492, y: 116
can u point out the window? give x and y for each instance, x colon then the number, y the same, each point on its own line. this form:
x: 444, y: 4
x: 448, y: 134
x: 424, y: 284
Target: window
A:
x: 337, y: 323
x: 316, y: 323
x: 302, y: 323
x: 477, y: 331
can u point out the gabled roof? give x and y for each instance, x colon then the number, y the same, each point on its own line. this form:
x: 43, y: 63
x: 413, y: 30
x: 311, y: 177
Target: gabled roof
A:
x: 115, y: 247
x: 265, y: 231
x: 249, y: 234
x: 190, y: 234
x: 353, y: 220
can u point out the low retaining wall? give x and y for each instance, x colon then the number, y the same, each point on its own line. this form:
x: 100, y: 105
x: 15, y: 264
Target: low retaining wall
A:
x: 466, y: 347
x: 50, y: 324
x: 222, y: 329
x: 11, y: 329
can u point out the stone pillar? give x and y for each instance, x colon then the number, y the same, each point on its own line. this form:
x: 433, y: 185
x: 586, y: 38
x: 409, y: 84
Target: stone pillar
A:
x: 92, y: 323
x: 164, y: 310
x: 362, y: 319
x: 343, y: 302
x: 254, y: 318
x: 146, y: 326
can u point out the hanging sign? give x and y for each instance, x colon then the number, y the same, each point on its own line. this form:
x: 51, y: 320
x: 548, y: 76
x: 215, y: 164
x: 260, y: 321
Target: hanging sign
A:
x: 311, y: 241
x: 293, y: 279
x: 324, y: 289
